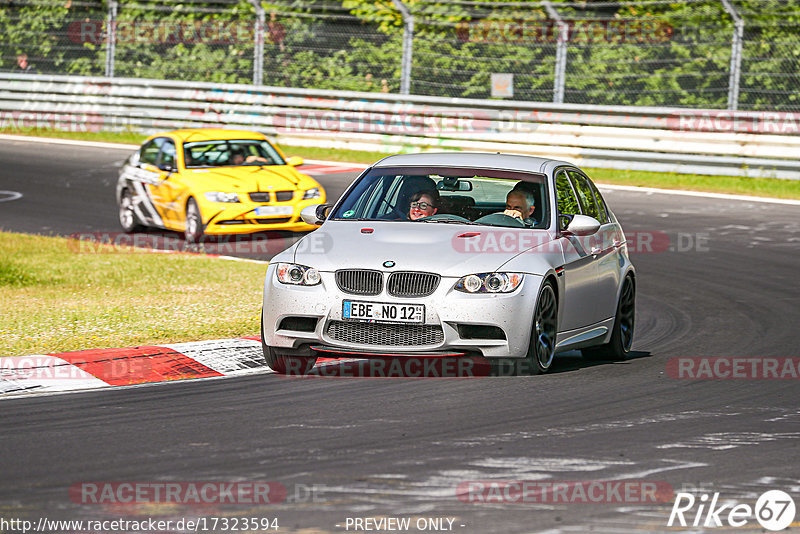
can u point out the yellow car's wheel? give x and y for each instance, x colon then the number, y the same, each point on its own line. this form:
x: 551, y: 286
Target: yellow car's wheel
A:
x: 194, y: 223
x: 127, y: 216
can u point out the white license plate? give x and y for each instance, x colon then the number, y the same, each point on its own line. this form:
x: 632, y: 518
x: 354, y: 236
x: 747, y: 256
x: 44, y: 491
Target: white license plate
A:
x: 383, y: 312
x: 268, y: 211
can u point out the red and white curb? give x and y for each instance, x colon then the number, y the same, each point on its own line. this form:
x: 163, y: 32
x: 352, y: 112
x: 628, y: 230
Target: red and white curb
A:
x: 102, y: 368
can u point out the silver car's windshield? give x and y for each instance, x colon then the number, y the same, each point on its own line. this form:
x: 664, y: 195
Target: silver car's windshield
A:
x: 448, y: 195
x: 230, y: 153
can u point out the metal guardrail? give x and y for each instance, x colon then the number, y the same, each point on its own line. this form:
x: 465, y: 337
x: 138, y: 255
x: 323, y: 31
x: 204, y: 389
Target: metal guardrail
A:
x: 711, y: 142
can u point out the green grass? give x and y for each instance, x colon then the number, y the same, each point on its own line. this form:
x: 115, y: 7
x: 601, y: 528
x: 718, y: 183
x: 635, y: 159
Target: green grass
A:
x: 57, y: 296
x: 131, y: 138
x: 765, y: 187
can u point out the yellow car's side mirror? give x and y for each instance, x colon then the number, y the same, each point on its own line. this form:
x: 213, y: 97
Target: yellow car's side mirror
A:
x: 295, y: 161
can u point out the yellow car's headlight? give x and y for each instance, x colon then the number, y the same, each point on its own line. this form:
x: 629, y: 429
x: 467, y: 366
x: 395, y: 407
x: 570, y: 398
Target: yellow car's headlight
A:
x: 220, y: 196
x: 312, y: 193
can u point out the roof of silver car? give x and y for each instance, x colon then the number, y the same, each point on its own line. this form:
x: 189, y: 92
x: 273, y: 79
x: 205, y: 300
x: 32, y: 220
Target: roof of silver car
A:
x: 472, y: 159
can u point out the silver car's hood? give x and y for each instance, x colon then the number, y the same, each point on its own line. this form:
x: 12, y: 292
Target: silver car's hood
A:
x: 432, y: 247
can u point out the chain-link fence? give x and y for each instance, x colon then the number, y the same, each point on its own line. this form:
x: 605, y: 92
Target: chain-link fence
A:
x: 728, y: 54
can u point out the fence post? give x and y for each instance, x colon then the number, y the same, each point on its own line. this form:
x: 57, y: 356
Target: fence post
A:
x: 408, y: 46
x: 561, y: 53
x: 736, y: 55
x: 111, y: 37
x: 258, y: 45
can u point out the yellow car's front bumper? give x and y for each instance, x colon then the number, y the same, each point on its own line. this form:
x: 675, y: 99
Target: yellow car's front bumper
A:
x: 250, y: 217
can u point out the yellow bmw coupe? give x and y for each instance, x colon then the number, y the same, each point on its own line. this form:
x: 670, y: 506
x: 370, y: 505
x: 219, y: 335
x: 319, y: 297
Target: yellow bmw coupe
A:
x: 213, y: 181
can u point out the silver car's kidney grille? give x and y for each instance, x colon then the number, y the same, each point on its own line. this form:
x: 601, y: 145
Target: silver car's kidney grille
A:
x: 412, y: 284
x: 360, y: 281
x: 405, y: 335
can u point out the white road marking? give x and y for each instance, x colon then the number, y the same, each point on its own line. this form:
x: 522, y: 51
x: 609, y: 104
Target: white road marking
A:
x: 7, y: 196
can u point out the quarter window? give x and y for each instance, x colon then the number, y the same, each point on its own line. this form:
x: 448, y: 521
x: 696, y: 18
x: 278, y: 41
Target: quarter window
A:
x: 585, y: 196
x: 567, y: 203
x: 601, y: 204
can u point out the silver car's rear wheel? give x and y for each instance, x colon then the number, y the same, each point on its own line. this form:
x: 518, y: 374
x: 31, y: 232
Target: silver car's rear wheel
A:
x: 621, y: 340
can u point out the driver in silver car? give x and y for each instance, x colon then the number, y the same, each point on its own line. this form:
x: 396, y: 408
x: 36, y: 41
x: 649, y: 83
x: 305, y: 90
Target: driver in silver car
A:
x: 521, y: 203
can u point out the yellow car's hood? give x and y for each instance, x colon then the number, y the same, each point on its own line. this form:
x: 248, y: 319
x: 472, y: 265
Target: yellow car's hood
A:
x: 250, y: 178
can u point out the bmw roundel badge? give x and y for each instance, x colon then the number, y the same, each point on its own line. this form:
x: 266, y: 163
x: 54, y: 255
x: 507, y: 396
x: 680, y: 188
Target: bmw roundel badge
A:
x: 388, y: 264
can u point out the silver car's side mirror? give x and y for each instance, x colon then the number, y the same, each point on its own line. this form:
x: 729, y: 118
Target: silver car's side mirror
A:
x: 315, y: 214
x: 583, y: 225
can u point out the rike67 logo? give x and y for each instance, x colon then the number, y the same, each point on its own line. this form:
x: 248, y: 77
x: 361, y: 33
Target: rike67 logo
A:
x: 774, y: 510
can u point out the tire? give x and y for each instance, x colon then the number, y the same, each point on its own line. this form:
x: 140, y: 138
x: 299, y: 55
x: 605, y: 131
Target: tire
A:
x: 542, y: 344
x: 285, y: 364
x: 127, y: 216
x: 194, y: 222
x: 619, y: 346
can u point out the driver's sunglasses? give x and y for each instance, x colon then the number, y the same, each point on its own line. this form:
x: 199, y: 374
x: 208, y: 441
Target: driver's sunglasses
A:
x: 421, y: 205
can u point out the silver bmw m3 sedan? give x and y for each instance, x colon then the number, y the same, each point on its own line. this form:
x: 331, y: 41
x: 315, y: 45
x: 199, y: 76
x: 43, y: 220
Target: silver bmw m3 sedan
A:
x: 510, y: 258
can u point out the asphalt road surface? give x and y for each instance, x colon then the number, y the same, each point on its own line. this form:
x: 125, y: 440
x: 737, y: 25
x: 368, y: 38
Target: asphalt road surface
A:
x: 723, y: 284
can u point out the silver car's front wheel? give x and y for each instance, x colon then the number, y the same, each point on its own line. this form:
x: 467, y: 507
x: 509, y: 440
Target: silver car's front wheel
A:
x: 542, y: 345
x: 285, y: 364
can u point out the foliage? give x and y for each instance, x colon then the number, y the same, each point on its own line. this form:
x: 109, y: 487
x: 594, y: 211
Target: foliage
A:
x: 632, y: 53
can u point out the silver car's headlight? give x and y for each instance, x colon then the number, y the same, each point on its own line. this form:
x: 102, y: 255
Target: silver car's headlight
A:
x: 298, y: 275
x: 312, y: 193
x: 489, y: 283
x: 219, y: 196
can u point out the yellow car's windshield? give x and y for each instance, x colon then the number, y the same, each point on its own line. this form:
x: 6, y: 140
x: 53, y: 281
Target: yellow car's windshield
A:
x: 230, y: 153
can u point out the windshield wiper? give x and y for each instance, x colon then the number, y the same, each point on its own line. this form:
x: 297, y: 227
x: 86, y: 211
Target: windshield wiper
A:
x: 449, y: 221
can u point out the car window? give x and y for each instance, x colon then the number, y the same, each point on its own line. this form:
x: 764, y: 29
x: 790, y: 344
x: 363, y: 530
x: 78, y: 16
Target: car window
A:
x: 149, y: 152
x: 567, y: 202
x: 585, y: 196
x: 230, y: 153
x: 167, y: 153
x: 458, y: 195
x: 601, y: 203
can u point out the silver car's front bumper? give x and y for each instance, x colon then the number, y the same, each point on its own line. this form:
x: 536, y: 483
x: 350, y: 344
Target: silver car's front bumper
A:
x: 447, y: 312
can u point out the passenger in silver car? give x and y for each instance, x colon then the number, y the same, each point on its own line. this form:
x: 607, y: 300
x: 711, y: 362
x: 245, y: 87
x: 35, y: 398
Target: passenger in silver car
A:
x: 424, y: 204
